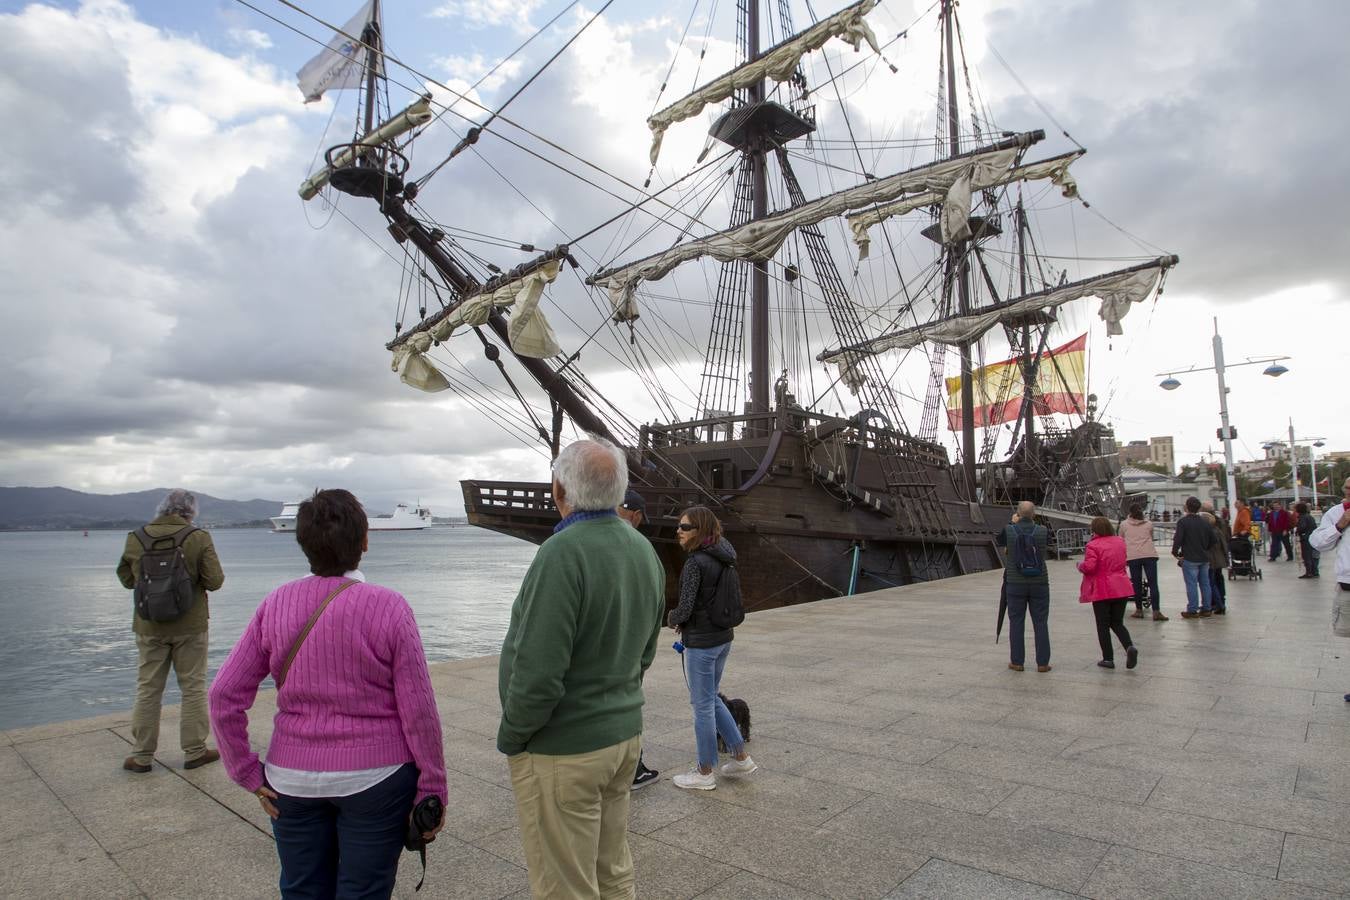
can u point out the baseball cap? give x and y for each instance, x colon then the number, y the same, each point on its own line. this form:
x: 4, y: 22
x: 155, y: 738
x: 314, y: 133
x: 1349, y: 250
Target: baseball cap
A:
x: 632, y: 500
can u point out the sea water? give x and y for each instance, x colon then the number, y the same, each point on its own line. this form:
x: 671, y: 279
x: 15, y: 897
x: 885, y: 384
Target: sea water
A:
x: 66, y: 645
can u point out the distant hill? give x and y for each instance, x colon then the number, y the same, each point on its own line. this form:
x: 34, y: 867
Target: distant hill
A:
x: 57, y: 508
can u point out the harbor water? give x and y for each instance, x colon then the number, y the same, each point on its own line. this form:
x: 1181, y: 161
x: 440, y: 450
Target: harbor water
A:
x: 68, y: 650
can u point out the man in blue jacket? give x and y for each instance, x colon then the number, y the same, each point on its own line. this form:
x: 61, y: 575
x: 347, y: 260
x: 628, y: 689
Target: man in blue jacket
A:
x: 1027, y: 584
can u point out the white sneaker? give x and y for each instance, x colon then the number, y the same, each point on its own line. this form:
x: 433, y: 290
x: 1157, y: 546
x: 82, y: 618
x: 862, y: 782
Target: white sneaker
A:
x: 736, y: 767
x: 696, y: 781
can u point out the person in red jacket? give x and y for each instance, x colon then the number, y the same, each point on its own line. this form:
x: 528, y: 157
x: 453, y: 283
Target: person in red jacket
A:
x: 1280, y: 524
x: 1107, y: 586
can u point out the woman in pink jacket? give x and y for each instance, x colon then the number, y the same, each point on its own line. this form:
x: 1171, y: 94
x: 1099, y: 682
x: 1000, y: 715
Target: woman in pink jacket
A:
x: 1108, y: 589
x: 356, y: 739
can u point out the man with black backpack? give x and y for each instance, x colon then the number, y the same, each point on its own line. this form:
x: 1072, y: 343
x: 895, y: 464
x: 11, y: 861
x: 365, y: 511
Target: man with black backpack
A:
x: 170, y: 565
x: 1027, y: 584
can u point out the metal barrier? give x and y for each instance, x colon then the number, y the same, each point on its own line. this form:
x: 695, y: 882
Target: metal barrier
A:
x: 1069, y: 541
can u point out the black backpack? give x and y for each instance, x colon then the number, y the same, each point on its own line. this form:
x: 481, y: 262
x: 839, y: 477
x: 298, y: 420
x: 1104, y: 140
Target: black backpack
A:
x: 1026, y: 555
x: 164, y: 592
x: 725, y: 608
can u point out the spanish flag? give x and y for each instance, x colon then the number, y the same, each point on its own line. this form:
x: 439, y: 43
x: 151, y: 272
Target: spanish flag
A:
x: 1059, y: 388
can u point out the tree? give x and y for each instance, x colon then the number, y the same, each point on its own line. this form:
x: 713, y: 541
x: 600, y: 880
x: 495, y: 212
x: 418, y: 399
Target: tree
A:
x: 1281, y: 472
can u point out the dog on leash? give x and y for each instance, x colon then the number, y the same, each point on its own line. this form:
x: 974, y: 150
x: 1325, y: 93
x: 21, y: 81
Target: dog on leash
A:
x: 740, y: 711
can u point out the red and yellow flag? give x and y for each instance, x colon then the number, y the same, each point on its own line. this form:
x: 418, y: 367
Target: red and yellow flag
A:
x: 1059, y: 388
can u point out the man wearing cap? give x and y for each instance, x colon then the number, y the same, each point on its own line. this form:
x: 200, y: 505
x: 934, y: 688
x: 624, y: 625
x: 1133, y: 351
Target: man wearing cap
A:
x: 633, y: 510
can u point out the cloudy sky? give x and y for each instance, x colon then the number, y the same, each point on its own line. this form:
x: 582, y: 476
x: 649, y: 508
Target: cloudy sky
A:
x: 173, y: 314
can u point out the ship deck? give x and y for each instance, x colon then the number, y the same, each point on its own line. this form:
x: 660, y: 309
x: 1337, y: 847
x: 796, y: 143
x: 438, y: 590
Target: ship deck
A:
x: 900, y: 758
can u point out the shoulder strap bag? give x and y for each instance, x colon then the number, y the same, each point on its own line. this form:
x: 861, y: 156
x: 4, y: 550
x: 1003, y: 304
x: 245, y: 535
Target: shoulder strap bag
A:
x: 304, y: 633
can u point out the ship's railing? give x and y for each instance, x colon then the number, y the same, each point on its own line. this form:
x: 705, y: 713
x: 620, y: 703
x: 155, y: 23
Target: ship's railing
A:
x: 533, y: 497
x: 734, y: 427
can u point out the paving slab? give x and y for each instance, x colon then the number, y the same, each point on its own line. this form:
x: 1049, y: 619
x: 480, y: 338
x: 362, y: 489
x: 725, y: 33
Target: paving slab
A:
x: 899, y: 757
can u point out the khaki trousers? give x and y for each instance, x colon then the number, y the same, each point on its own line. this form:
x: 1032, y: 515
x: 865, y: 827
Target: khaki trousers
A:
x: 574, y: 821
x: 187, y: 654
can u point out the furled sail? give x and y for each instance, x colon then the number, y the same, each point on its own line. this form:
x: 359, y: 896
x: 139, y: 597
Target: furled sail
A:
x: 1117, y: 291
x: 778, y: 63
x: 1056, y: 169
x: 417, y: 113
x: 529, y: 331
x: 760, y: 239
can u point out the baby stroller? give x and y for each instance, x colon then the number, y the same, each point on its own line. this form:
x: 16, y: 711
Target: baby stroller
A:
x: 1240, y: 550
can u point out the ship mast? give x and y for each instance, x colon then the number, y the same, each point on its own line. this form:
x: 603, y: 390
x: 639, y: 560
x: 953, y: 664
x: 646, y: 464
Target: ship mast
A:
x: 956, y: 258
x: 374, y: 46
x: 759, y: 282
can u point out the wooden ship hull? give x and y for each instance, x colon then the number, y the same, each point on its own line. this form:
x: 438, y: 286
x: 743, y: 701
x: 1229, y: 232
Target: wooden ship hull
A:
x: 803, y: 498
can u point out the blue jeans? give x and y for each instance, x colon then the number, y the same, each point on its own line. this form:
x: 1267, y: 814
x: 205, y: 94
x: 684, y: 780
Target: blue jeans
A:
x: 1145, y: 567
x: 711, y: 716
x: 1198, y: 586
x: 1021, y: 598
x: 344, y: 847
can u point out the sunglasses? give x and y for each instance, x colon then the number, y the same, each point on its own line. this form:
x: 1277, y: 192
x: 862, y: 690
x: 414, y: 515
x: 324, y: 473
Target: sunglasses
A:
x: 685, y: 526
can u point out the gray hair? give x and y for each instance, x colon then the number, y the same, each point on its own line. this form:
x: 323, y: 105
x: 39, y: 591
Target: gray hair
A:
x: 593, y: 473
x: 1026, y: 509
x: 1207, y: 505
x: 178, y: 502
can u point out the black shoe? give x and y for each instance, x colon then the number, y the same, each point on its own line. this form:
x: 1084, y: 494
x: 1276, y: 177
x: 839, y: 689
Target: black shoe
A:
x: 1222, y: 611
x: 1106, y: 663
x: 644, y: 777
x: 1305, y: 575
x: 1131, y: 656
x: 206, y: 758
x: 131, y: 765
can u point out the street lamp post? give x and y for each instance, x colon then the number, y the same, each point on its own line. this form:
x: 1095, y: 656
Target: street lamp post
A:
x: 1312, y: 458
x: 1226, y: 431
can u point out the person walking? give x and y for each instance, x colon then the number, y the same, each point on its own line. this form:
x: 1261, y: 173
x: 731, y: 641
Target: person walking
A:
x: 1330, y: 537
x: 633, y: 510
x: 1141, y: 554
x: 1107, y: 587
x: 1218, y: 559
x: 1279, y: 523
x: 583, y: 630
x: 706, y: 648
x: 1242, y: 521
x: 1028, y: 586
x: 1312, y: 557
x: 356, y: 738
x: 167, y: 640
x: 1191, y: 543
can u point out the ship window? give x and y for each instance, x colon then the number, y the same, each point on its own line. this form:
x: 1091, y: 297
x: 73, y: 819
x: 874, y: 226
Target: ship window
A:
x: 719, y: 473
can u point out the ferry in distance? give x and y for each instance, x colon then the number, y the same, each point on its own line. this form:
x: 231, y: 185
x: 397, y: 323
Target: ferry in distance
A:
x: 403, y: 519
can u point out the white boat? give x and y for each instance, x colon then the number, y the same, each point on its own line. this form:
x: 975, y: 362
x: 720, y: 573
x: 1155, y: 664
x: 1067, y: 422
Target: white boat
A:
x: 403, y: 519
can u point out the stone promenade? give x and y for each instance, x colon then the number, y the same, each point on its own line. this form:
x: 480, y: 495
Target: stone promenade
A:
x: 900, y: 758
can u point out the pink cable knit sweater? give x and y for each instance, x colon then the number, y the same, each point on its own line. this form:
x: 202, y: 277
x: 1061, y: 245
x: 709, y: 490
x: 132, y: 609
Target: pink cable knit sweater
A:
x: 357, y: 696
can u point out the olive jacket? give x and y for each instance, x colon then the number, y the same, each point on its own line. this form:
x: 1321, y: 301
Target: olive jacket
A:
x: 203, y: 564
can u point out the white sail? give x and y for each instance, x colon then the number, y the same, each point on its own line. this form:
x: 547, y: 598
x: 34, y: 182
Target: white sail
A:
x: 1116, y: 290
x: 778, y: 63
x: 529, y: 331
x: 417, y: 113
x: 760, y: 240
x: 1055, y: 168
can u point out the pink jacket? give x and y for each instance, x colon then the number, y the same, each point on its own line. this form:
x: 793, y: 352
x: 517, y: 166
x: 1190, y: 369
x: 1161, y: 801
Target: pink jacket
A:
x: 358, y: 695
x: 1138, y: 536
x: 1103, y: 569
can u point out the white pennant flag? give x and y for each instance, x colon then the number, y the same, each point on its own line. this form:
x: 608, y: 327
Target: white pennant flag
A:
x: 342, y: 63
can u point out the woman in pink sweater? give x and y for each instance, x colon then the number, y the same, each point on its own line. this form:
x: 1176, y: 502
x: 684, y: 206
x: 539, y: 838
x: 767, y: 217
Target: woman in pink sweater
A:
x: 1108, y: 589
x: 356, y: 739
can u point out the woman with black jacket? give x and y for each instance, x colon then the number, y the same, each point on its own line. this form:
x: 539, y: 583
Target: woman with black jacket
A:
x: 1307, y: 524
x: 706, y: 648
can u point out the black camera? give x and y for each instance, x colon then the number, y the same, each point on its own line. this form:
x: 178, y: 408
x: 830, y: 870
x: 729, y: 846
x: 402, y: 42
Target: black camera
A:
x: 425, y: 817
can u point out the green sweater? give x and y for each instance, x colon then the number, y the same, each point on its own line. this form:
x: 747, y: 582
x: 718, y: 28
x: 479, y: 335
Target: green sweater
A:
x: 200, y: 553
x: 583, y: 630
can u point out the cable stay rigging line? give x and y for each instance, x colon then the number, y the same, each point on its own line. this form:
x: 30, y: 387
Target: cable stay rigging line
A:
x: 475, y: 131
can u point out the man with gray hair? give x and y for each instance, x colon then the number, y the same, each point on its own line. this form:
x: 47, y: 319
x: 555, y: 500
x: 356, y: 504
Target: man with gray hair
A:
x: 583, y: 629
x: 167, y: 635
x: 1028, y: 586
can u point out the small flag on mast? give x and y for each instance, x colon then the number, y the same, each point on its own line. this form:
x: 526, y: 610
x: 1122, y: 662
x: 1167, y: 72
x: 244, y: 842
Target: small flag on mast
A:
x: 341, y: 64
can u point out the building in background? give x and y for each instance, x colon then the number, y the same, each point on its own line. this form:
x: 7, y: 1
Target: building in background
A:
x: 1157, y: 451
x: 1168, y: 493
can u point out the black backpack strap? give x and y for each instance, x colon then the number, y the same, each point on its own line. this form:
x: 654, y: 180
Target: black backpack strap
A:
x: 147, y: 542
x: 183, y: 534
